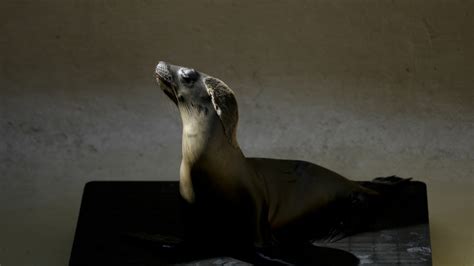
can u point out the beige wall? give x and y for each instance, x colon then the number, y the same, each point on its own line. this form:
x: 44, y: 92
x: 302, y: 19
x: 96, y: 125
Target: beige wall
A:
x: 366, y: 88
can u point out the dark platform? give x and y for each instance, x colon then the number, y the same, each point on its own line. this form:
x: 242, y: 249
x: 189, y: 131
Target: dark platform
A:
x: 114, y: 215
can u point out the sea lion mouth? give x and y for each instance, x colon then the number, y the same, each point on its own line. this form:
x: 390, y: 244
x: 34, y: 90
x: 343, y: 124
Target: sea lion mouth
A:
x: 165, y: 79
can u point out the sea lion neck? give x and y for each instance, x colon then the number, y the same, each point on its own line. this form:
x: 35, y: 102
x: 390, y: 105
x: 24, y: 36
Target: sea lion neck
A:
x: 206, y: 150
x: 208, y: 147
x: 203, y: 137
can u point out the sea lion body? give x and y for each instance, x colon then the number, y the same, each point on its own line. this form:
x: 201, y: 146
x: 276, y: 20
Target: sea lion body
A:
x: 297, y: 188
x: 256, y: 195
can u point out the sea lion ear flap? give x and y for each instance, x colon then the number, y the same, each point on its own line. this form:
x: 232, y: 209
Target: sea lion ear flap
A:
x: 225, y: 105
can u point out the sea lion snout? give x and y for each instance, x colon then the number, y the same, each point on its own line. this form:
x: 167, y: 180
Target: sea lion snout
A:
x: 163, y: 73
x: 164, y: 77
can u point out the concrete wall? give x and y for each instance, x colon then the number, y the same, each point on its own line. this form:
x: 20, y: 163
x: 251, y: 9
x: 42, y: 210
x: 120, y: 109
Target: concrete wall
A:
x: 366, y: 88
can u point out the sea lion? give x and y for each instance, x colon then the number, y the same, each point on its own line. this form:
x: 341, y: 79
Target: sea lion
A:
x: 273, y: 192
x: 214, y: 174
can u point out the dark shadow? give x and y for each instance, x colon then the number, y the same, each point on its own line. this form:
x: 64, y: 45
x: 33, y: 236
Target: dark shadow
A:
x: 397, y: 206
x: 144, y: 223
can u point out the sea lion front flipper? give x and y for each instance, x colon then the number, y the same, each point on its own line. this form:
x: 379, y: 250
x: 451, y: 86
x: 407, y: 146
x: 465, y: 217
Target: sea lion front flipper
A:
x: 305, y: 254
x: 347, y: 217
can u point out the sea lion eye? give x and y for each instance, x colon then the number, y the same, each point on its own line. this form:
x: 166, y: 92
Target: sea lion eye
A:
x: 188, y: 74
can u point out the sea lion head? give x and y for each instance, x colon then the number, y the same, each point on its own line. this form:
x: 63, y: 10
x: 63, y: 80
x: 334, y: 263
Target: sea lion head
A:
x: 200, y: 98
